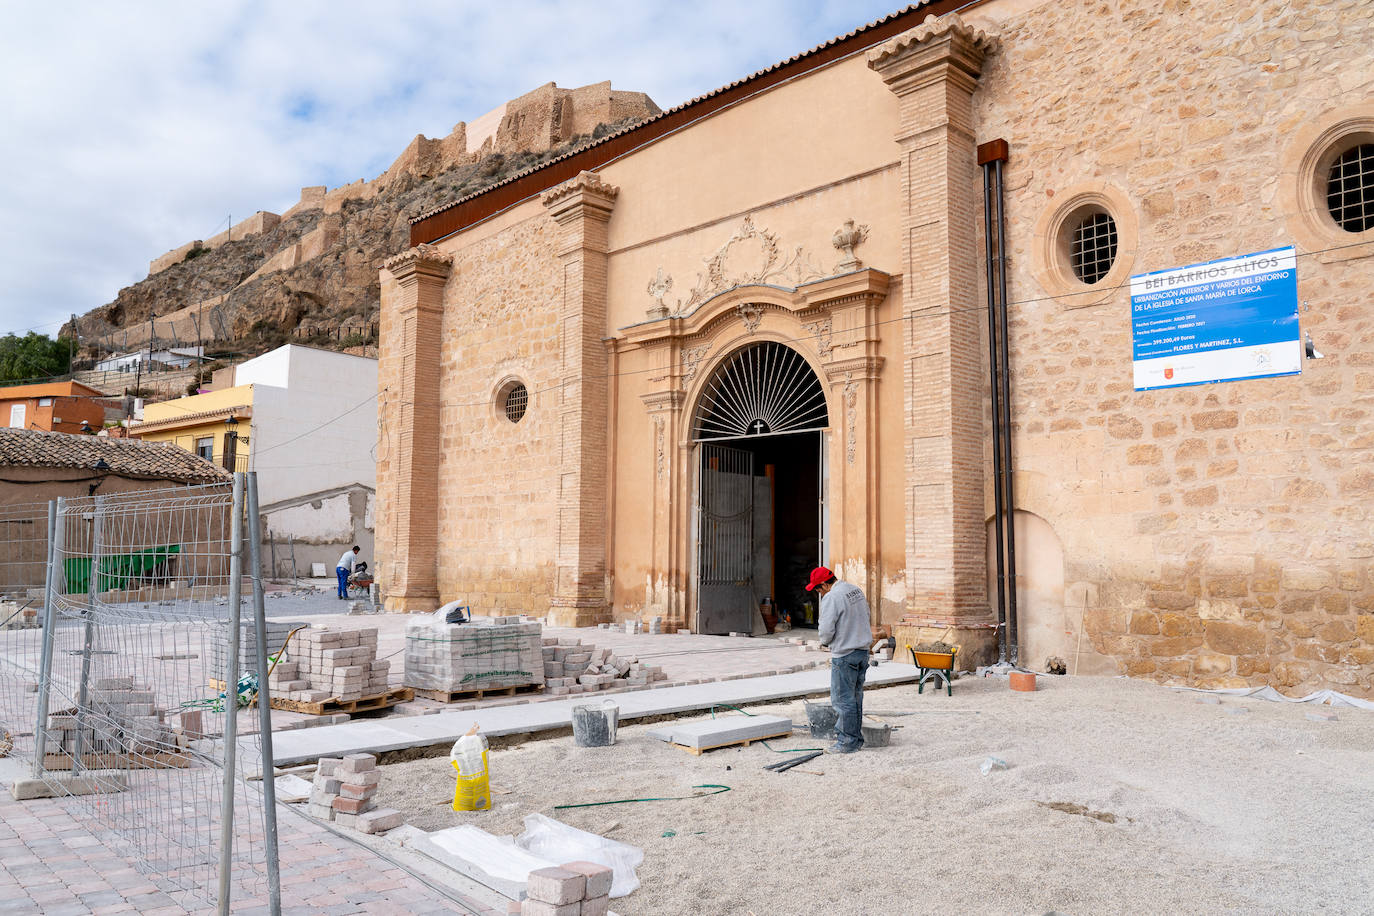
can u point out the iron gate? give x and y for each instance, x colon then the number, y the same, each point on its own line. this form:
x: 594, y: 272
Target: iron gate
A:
x: 726, y: 593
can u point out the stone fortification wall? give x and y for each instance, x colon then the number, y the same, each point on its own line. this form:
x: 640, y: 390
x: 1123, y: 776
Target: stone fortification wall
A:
x: 535, y: 122
x: 1216, y: 535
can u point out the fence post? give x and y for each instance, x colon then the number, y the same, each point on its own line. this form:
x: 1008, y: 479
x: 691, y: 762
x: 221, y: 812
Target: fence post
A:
x: 40, y: 732
x: 231, y: 700
x: 83, y: 695
x: 269, y: 781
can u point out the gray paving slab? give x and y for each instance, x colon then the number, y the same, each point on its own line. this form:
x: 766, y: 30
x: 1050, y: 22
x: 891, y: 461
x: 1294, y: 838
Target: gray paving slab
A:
x: 372, y: 736
x: 729, y: 730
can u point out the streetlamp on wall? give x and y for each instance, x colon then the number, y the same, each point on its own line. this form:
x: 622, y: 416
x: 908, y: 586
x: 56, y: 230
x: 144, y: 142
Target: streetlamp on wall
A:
x: 231, y: 442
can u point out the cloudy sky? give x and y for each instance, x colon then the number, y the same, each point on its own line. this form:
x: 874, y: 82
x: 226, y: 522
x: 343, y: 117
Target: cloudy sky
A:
x: 129, y: 129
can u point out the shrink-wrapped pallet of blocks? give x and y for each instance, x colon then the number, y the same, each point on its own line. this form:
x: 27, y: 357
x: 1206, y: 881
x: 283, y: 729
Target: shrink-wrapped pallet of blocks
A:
x: 331, y: 664
x: 487, y: 653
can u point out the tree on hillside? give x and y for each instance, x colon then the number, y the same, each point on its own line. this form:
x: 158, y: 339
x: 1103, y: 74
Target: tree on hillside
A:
x: 33, y: 356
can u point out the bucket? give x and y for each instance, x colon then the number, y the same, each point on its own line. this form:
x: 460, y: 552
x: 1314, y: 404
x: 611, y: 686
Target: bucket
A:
x: 595, y: 726
x: 877, y: 735
x: 821, y: 717
x: 1022, y: 680
x: 473, y: 792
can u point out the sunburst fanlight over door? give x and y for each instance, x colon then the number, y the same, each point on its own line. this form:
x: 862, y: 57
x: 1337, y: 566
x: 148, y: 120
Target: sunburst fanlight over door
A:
x: 763, y: 390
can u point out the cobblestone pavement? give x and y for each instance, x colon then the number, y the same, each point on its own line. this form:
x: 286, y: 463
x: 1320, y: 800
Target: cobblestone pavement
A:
x: 59, y: 864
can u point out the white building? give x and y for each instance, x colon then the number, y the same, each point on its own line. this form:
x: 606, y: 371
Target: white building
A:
x: 174, y: 358
x: 306, y: 421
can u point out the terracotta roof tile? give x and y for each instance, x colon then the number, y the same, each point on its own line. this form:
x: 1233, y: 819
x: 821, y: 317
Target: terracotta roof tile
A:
x: 125, y: 457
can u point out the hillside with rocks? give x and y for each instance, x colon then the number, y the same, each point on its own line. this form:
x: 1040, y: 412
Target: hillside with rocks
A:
x: 310, y: 275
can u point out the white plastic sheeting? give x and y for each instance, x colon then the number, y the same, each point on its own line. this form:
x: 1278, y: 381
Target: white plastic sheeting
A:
x: 1269, y: 693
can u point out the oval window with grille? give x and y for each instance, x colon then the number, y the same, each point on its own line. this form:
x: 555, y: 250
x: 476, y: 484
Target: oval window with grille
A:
x: 1350, y: 188
x: 763, y: 389
x: 1092, y: 246
x: 517, y: 401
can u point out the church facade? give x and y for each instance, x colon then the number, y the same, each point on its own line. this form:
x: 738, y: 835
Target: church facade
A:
x: 667, y: 374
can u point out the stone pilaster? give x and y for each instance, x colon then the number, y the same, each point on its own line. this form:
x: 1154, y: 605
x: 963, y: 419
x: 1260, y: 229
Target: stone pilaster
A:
x: 582, y: 208
x: 412, y: 582
x: 934, y: 69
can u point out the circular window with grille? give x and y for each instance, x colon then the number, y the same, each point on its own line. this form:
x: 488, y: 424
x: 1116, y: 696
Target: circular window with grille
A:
x: 1085, y: 243
x: 1327, y: 188
x: 1350, y: 188
x: 514, y: 401
x: 1092, y: 245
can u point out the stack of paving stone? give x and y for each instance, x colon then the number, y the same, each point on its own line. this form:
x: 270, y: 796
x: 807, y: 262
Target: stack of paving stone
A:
x: 15, y: 617
x: 574, y: 889
x: 121, y: 718
x: 332, y: 664
x: 487, y: 653
x: 277, y: 631
x: 343, y: 791
x: 571, y: 667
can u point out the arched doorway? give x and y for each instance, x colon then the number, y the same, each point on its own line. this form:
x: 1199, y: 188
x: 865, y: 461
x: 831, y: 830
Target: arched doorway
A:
x: 759, y: 426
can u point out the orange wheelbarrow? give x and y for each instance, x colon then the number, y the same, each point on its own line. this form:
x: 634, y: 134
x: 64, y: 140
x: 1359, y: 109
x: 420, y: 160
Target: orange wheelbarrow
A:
x: 935, y: 666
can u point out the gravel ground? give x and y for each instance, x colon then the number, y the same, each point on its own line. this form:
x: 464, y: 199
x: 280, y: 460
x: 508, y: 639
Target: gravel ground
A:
x: 1118, y: 797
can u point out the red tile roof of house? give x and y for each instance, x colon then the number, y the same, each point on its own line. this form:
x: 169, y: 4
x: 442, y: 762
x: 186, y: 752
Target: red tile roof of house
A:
x: 124, y: 457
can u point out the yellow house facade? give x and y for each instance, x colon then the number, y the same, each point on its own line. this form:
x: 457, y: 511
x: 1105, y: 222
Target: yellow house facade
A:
x: 214, y: 425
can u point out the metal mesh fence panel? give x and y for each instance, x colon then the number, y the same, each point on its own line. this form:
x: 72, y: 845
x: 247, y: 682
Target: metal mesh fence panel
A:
x: 23, y: 565
x: 142, y: 698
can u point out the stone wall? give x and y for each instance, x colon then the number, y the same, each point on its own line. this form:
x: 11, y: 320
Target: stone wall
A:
x: 1216, y: 535
x: 498, y: 497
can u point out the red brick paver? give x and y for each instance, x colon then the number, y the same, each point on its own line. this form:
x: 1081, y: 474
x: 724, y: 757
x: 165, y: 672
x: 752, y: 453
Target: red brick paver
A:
x: 56, y: 862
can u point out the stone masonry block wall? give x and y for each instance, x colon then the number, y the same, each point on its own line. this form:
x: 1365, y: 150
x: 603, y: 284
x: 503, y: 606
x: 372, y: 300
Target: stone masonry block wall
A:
x: 498, y: 494
x: 1217, y: 535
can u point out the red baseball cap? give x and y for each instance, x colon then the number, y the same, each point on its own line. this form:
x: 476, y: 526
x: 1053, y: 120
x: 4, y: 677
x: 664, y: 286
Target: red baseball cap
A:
x: 819, y: 576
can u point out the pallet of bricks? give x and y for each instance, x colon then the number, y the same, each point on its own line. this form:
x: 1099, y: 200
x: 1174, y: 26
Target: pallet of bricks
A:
x: 571, y: 667
x: 329, y: 666
x: 446, y: 661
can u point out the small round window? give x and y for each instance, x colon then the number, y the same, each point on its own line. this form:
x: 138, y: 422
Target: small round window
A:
x: 1092, y: 245
x: 517, y: 401
x: 1350, y: 188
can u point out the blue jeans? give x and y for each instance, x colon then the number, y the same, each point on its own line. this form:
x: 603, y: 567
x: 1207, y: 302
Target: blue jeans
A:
x: 847, y: 676
x: 343, y: 581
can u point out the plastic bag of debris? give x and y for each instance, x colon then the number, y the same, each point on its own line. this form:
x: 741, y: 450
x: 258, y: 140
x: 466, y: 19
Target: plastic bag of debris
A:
x: 555, y: 840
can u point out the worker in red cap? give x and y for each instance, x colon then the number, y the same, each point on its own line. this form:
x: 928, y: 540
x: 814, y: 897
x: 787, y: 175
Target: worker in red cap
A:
x: 845, y: 630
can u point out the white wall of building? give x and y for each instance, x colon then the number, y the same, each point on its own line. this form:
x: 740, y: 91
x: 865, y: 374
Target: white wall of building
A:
x: 314, y: 421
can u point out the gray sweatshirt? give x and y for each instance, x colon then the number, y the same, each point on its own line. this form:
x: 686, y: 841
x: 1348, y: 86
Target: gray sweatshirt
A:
x: 844, y: 620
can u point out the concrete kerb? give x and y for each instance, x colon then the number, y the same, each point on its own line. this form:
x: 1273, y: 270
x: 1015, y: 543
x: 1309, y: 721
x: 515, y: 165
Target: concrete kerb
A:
x: 419, y: 736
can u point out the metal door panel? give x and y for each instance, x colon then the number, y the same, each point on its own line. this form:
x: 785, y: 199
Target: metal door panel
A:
x: 726, y: 539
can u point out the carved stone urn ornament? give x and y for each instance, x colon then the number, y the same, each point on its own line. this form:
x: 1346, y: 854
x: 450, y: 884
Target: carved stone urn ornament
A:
x: 846, y: 239
x: 659, y: 287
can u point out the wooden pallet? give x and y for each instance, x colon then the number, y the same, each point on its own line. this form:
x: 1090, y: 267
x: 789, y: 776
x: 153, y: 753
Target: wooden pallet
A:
x: 159, y: 761
x: 362, y: 704
x: 453, y: 696
x: 698, y: 751
x: 333, y: 705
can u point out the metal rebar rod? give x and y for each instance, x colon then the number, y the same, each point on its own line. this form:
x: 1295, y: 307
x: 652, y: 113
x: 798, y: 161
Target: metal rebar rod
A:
x: 51, y: 582
x: 231, y: 700
x: 88, y: 637
x: 269, y: 782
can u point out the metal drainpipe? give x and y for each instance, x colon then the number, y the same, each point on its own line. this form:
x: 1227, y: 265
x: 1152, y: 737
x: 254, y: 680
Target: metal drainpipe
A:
x: 1013, y: 623
x: 996, y: 393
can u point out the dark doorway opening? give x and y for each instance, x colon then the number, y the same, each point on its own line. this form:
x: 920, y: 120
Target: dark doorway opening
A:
x: 760, y: 529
